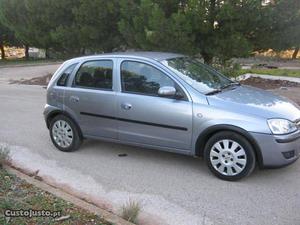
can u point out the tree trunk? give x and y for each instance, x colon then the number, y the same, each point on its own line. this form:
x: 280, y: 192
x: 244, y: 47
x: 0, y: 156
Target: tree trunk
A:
x: 207, y: 58
x: 26, y: 47
x: 2, y: 51
x: 82, y: 51
x: 295, y: 53
x: 47, y: 53
x: 212, y: 14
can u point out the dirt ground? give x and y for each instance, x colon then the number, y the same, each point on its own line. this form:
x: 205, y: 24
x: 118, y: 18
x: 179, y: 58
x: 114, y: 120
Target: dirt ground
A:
x: 269, y: 84
x: 16, y: 73
x: 43, y: 80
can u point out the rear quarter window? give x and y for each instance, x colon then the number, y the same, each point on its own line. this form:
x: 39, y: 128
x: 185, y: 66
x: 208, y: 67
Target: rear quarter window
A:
x: 64, y: 77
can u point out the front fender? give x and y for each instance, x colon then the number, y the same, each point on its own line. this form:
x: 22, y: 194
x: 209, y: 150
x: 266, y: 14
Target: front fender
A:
x: 208, y: 132
x: 208, y: 120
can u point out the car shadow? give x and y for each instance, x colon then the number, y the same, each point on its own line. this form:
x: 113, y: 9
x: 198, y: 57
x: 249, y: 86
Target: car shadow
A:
x: 147, y: 156
x: 132, y: 156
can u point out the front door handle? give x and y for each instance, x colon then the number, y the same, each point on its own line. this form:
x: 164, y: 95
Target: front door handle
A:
x: 126, y: 106
x: 74, y: 99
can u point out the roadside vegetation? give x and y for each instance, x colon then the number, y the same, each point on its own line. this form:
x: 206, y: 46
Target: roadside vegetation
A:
x: 211, y: 29
x: 16, y: 193
x: 130, y: 211
x: 274, y: 72
x: 231, y: 69
x: 4, y: 155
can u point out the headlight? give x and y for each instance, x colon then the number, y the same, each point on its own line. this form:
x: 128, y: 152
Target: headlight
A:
x: 281, y: 126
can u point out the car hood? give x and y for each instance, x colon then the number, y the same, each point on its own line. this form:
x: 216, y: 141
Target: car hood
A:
x: 250, y: 100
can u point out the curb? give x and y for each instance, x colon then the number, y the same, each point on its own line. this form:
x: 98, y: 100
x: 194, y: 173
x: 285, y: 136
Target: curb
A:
x: 270, y: 77
x: 32, y: 64
x: 108, y: 216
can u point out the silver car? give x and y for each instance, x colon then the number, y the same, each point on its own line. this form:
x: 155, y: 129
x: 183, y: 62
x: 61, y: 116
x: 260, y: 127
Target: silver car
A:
x: 174, y: 103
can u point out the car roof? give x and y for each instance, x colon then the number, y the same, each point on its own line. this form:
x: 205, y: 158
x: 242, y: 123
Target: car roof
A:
x: 158, y: 56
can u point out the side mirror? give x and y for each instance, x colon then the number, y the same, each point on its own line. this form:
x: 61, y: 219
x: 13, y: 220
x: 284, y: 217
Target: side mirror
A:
x: 167, y: 91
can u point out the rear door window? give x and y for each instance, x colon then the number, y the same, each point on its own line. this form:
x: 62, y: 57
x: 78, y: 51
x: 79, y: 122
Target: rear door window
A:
x: 96, y: 74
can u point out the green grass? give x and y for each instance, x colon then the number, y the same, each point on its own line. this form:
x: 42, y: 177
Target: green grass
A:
x: 274, y: 72
x: 11, y: 62
x: 18, y: 194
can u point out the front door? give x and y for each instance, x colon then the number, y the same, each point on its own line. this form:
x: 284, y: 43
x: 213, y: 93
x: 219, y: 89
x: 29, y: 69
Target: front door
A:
x: 143, y: 116
x: 93, y: 100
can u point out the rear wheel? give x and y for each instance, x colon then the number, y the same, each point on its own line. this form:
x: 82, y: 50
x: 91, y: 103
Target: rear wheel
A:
x: 64, y: 134
x: 229, y: 156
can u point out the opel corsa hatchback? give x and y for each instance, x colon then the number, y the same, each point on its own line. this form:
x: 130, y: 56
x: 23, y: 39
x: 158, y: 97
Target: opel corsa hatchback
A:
x: 174, y: 103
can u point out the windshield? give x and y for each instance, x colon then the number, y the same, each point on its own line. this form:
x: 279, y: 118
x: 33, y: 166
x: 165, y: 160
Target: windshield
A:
x: 200, y: 76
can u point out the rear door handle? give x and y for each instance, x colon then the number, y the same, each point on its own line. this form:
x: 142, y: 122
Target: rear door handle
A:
x: 126, y: 106
x: 74, y: 99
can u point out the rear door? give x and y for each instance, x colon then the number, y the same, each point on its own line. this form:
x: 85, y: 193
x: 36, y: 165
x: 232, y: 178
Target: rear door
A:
x: 92, y: 99
x: 146, y: 118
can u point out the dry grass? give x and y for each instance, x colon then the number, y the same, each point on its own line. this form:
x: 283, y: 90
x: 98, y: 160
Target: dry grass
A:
x: 287, y: 54
x: 4, y: 155
x: 130, y: 211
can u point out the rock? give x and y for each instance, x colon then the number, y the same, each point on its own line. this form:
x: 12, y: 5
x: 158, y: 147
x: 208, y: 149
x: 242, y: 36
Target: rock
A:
x: 63, y: 218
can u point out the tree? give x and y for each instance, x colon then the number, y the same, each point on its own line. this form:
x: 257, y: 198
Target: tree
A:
x: 43, y: 24
x: 97, y: 24
x: 219, y: 29
x: 280, y: 28
x: 65, y: 26
x: 285, y: 29
x: 213, y: 28
x: 155, y: 25
x: 4, y: 38
x: 224, y: 29
x: 7, y: 38
x: 11, y: 35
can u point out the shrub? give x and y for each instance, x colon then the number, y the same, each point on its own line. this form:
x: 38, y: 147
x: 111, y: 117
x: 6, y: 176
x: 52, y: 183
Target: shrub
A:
x: 4, y: 155
x: 229, y: 69
x: 130, y: 211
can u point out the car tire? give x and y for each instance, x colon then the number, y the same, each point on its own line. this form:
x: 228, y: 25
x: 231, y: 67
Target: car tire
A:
x: 229, y: 156
x: 65, y: 134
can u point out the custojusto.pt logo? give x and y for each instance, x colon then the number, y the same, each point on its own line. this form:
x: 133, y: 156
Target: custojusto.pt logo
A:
x: 31, y: 213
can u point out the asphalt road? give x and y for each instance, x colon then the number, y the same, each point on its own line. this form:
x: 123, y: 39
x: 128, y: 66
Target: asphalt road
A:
x: 176, y: 189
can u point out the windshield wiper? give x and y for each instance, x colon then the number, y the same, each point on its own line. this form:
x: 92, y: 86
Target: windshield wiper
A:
x: 230, y: 85
x: 214, y: 92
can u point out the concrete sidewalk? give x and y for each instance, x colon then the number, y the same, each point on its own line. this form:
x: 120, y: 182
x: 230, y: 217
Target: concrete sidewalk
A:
x: 248, y: 75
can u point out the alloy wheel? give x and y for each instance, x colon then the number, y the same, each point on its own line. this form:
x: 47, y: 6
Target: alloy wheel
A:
x: 62, y: 133
x: 228, y: 157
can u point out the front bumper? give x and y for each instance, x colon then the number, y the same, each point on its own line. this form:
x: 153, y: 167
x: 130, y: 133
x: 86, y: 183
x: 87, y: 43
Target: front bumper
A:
x: 278, y: 150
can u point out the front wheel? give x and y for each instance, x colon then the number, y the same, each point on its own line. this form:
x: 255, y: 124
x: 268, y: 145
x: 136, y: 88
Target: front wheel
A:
x: 64, y: 134
x: 229, y: 156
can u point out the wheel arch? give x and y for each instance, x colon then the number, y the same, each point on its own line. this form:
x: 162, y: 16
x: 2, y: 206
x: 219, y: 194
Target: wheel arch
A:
x: 55, y: 113
x: 206, y: 134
